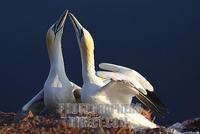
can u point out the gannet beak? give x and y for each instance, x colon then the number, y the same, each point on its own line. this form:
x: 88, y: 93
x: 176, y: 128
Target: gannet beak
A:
x: 77, y: 26
x: 60, y: 22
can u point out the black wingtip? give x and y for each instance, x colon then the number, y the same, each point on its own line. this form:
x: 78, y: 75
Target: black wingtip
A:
x: 153, y: 102
x: 152, y: 96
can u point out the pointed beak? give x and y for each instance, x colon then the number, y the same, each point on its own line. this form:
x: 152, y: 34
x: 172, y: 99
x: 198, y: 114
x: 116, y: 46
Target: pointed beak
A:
x: 77, y: 26
x: 60, y: 22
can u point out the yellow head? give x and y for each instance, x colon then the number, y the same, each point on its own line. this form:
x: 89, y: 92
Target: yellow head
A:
x: 55, y: 32
x: 84, y: 39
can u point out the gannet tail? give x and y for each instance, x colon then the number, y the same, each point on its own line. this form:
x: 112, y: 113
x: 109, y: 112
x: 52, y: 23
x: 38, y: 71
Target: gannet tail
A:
x: 137, y: 120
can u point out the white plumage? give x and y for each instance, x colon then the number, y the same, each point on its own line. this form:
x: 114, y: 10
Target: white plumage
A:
x: 129, y: 74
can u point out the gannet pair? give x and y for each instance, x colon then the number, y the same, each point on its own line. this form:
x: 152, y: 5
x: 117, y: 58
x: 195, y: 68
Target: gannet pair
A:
x: 57, y: 88
x: 117, y: 85
x: 120, y: 86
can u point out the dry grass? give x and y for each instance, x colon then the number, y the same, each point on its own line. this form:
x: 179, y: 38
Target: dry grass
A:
x: 10, y: 123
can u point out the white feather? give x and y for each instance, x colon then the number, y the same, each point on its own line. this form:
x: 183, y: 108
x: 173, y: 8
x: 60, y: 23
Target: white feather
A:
x: 131, y: 74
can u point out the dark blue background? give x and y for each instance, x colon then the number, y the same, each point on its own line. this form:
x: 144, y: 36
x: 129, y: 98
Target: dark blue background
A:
x: 160, y: 39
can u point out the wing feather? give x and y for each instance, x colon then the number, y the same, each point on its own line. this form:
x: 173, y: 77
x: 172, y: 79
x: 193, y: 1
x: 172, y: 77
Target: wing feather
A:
x: 132, y: 74
x: 121, y: 77
x: 121, y: 92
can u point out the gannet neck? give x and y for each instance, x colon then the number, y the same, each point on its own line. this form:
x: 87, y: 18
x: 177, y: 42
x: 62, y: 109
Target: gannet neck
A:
x: 88, y: 64
x: 57, y: 67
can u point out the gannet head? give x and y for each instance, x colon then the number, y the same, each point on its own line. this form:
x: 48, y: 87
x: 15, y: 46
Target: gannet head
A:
x: 55, y: 32
x: 84, y: 38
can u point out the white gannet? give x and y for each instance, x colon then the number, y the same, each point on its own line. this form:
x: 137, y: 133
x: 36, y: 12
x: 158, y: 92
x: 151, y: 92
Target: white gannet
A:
x: 57, y: 88
x: 96, y: 90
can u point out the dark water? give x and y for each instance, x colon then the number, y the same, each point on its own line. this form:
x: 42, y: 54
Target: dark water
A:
x: 160, y: 39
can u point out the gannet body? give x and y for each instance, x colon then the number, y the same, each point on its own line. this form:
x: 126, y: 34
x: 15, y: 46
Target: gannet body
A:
x: 110, y: 91
x: 57, y: 88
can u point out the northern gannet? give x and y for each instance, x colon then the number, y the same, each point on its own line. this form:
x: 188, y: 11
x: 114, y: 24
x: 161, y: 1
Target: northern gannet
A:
x: 113, y: 91
x: 57, y: 88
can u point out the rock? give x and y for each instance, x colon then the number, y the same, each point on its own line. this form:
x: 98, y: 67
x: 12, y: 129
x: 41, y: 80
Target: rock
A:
x: 191, y: 132
x: 177, y: 126
x: 192, y: 125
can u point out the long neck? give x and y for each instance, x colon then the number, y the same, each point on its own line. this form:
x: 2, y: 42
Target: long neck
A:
x: 88, y: 65
x: 56, y: 60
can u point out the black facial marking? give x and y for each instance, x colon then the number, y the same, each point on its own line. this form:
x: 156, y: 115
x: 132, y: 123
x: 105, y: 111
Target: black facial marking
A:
x: 54, y: 28
x: 81, y: 33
